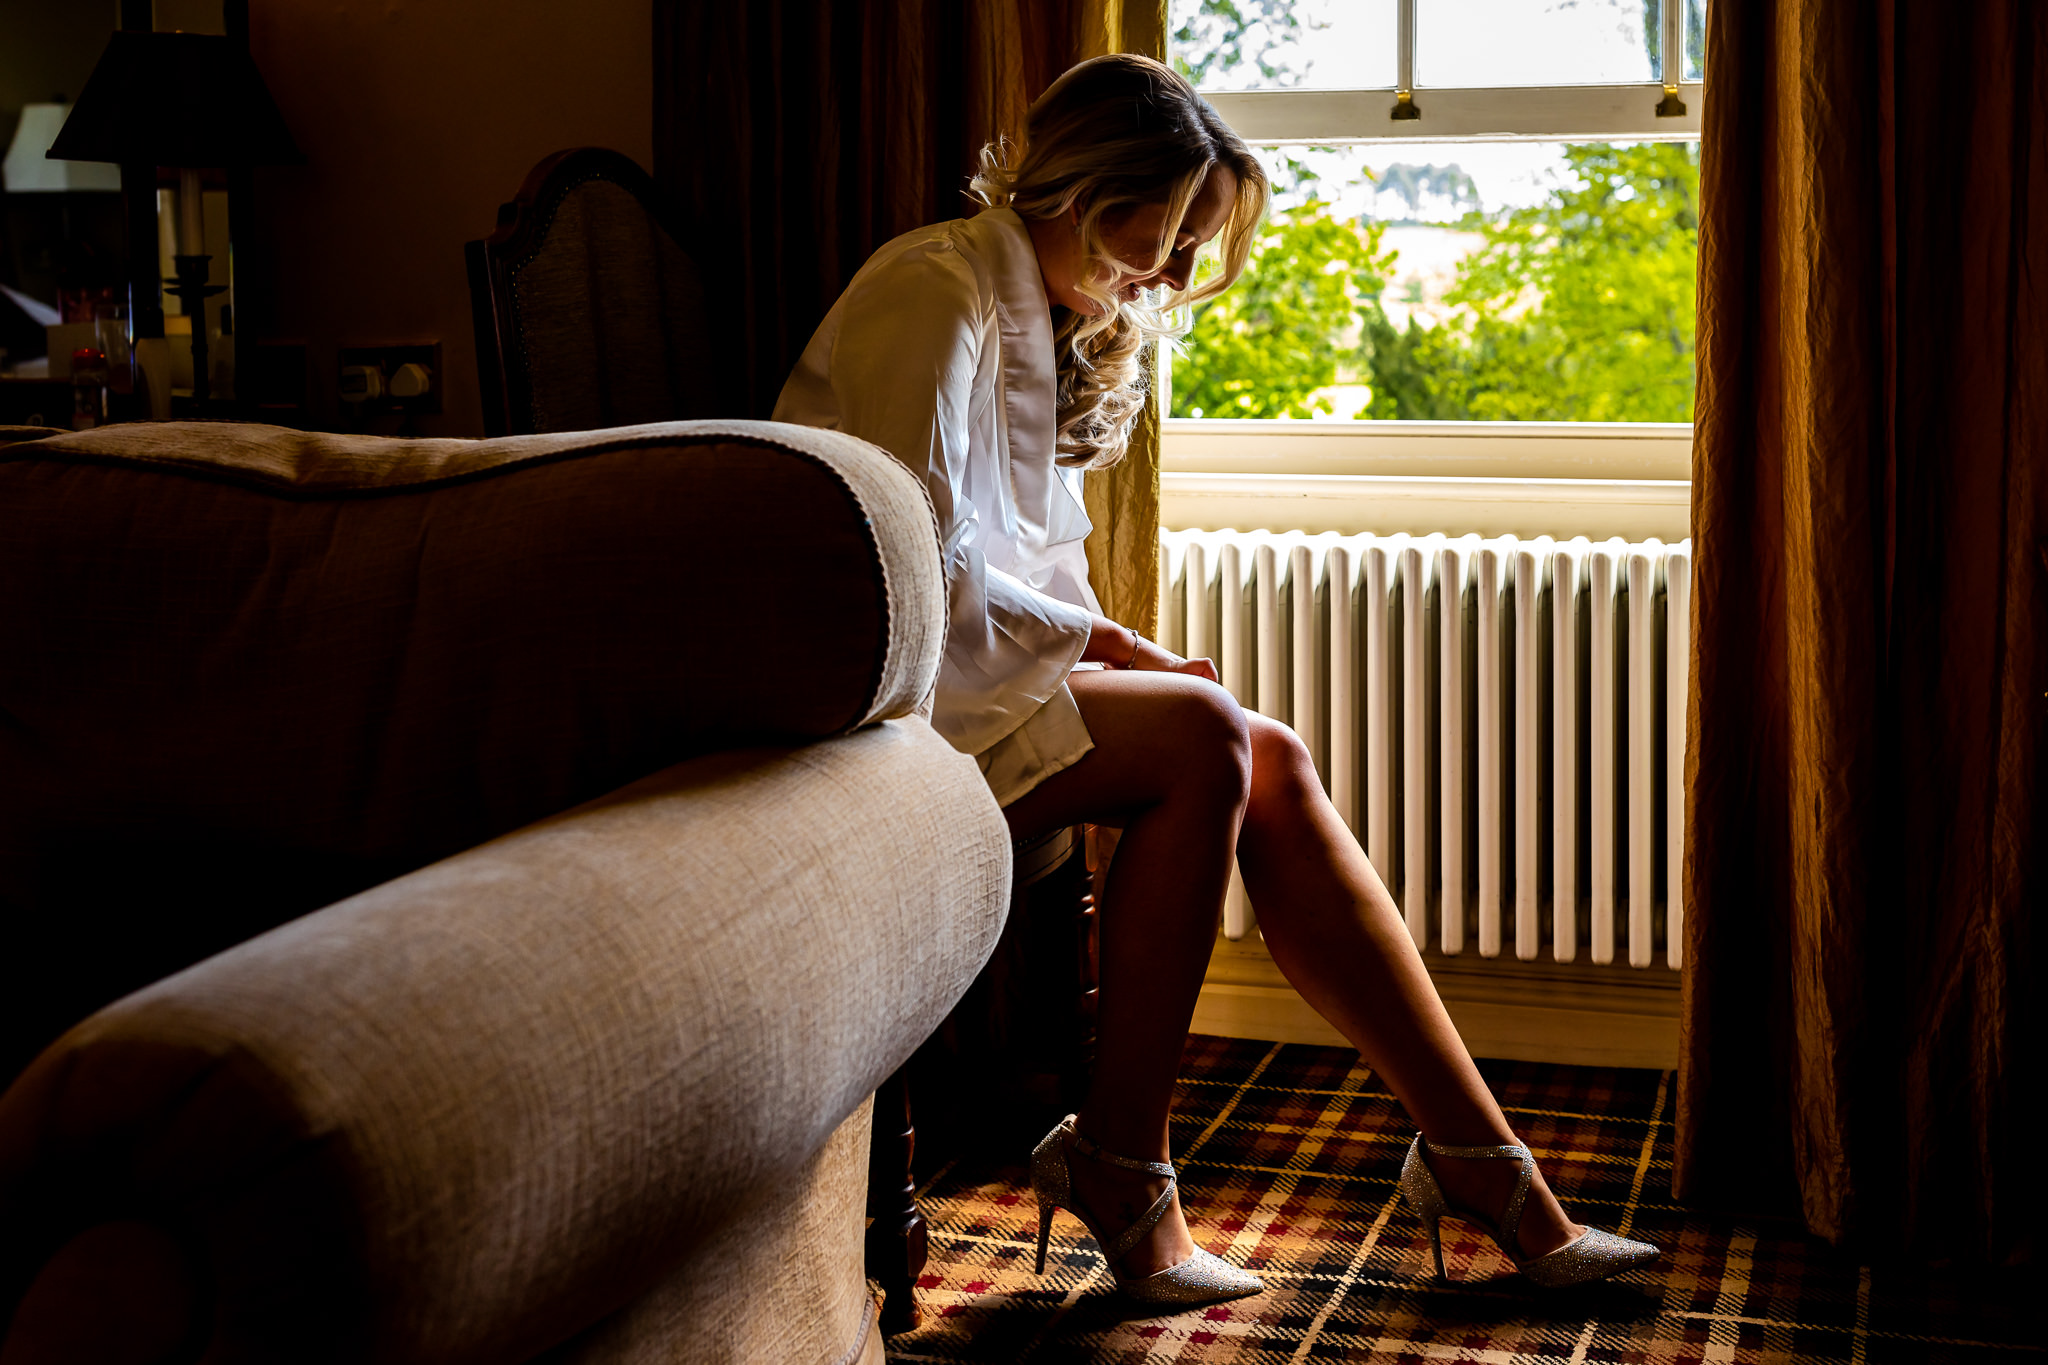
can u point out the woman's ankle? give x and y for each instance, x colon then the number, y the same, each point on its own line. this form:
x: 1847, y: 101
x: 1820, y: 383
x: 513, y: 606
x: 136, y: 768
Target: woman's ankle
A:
x: 1134, y: 1142
x: 1113, y: 1198
x: 1481, y: 1187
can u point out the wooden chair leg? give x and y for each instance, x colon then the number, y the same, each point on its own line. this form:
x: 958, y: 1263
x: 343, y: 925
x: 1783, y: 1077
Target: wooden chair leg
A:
x: 896, y: 1245
x: 1034, y: 1010
x: 1077, y: 907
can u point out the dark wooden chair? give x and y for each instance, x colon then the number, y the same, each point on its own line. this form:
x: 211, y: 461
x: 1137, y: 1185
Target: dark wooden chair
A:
x: 591, y: 312
x: 1014, y: 1055
x: 589, y: 304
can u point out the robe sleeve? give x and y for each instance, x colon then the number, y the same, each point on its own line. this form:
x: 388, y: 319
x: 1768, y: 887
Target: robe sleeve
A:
x: 903, y: 373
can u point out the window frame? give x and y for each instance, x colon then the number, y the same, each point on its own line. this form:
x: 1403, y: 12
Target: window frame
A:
x: 1506, y: 113
x: 1624, y: 478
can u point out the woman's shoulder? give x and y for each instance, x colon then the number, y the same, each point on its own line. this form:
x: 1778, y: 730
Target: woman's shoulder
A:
x: 938, y: 261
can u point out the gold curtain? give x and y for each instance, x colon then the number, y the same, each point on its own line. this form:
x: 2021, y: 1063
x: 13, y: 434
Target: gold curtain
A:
x: 800, y: 135
x: 1016, y: 51
x: 1867, y: 848
x: 1123, y: 554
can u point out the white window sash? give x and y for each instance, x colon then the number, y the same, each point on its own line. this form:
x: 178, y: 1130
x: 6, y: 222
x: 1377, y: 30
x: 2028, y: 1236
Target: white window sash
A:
x: 1596, y: 479
x: 1566, y: 113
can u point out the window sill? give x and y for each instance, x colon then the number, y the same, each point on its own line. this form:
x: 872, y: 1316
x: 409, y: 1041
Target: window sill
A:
x: 1559, y: 479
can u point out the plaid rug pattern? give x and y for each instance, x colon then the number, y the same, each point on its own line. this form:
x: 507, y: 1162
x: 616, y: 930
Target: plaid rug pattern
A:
x: 1289, y: 1157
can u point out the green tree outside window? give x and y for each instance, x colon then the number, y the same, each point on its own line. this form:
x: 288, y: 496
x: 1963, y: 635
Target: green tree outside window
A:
x: 1576, y: 309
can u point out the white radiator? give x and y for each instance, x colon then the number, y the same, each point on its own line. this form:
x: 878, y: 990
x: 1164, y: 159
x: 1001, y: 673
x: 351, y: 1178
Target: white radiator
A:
x: 1501, y: 721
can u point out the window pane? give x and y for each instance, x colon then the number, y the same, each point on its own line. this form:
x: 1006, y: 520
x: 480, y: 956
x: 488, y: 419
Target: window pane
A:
x: 1460, y: 281
x: 1284, y: 44
x: 1695, y: 40
x: 1534, y: 42
x: 1349, y: 44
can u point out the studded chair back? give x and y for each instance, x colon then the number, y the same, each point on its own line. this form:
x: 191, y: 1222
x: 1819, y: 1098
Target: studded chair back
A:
x: 589, y: 304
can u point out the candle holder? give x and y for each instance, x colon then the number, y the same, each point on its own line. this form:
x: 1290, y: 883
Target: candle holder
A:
x: 190, y: 288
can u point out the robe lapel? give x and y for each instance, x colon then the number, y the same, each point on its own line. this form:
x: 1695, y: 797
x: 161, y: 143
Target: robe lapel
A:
x: 1029, y: 377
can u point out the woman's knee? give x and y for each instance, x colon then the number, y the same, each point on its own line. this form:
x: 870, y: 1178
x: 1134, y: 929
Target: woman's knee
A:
x: 1212, y: 740
x: 1282, y: 769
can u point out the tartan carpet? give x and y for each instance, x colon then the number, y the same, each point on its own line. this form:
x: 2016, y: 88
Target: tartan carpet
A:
x: 1289, y: 1156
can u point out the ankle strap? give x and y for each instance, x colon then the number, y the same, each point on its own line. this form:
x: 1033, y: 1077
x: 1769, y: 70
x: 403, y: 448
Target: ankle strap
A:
x: 1511, y: 1216
x: 1473, y: 1153
x: 1128, y: 1238
x: 1095, y: 1153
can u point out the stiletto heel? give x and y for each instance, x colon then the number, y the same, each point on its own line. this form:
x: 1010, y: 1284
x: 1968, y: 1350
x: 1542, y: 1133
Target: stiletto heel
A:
x: 1592, y: 1255
x: 1201, y: 1278
x: 1419, y: 1188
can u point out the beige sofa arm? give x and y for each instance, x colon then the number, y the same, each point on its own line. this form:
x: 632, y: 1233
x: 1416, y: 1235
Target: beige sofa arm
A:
x: 465, y: 1114
x: 246, y: 671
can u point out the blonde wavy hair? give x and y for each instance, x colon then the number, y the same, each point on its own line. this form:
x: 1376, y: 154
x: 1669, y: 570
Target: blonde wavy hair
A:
x: 1110, y: 135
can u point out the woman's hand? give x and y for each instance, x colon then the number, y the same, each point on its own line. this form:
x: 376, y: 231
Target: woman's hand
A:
x: 1153, y: 657
x: 1119, y: 646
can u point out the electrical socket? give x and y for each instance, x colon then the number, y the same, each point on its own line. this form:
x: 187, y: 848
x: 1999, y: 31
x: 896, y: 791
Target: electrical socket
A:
x: 388, y: 361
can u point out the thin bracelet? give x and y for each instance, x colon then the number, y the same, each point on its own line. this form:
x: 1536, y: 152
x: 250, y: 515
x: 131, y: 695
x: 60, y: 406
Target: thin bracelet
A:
x: 1136, y: 640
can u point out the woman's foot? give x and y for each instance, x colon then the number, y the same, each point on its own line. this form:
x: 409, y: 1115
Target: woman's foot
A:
x: 1114, y: 1198
x: 1483, y: 1185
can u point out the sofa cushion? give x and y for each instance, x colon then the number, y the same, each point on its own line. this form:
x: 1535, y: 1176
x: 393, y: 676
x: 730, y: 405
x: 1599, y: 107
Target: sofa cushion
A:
x: 245, y: 672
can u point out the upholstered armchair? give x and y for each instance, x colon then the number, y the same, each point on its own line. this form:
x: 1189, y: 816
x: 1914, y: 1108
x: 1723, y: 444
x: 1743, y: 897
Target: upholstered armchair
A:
x: 460, y: 896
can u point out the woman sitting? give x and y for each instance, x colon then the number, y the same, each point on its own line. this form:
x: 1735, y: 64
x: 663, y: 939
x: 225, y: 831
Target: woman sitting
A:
x: 998, y: 357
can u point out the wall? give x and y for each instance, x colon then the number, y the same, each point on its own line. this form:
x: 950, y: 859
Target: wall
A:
x: 48, y: 49
x: 418, y: 118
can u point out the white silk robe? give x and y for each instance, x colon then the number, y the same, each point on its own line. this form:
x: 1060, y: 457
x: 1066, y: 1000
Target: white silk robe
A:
x: 940, y: 352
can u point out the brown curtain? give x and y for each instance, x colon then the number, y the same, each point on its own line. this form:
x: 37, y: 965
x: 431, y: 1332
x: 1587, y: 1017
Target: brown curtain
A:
x: 800, y: 135
x: 1867, y: 842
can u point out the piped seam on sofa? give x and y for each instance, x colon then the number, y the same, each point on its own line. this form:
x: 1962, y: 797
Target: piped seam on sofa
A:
x: 700, y: 435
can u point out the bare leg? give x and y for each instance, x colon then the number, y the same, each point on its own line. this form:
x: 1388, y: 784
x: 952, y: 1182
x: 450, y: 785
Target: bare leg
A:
x: 1170, y: 766
x: 1335, y: 932
x: 1178, y: 766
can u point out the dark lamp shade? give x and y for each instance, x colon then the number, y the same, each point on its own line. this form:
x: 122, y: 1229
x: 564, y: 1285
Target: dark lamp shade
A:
x: 176, y: 99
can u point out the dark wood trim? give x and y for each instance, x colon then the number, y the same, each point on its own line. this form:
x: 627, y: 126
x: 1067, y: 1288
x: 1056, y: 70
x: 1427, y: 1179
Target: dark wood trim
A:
x: 897, y: 1243
x: 138, y: 197
x: 145, y: 282
x: 1084, y: 946
x: 250, y: 263
x: 490, y: 356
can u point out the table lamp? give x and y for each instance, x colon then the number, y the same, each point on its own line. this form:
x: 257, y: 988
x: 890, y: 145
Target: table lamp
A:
x: 188, y: 101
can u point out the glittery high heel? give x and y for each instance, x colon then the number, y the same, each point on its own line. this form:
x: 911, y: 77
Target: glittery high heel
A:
x: 1592, y: 1255
x: 1201, y: 1278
